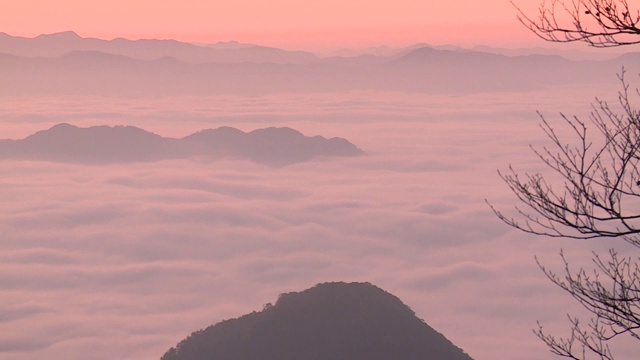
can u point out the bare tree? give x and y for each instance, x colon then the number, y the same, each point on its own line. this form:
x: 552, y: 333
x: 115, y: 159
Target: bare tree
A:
x: 592, y: 189
x: 600, y: 23
x: 596, y: 195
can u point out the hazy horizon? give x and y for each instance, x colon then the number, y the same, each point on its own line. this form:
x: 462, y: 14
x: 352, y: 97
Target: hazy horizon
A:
x: 336, y: 48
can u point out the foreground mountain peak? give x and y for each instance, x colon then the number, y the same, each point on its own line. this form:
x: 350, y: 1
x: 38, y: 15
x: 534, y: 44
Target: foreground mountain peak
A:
x: 331, y: 321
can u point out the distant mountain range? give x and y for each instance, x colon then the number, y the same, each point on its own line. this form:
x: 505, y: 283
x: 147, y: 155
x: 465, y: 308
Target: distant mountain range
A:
x: 59, y: 44
x: 331, y: 321
x: 121, y: 144
x: 66, y: 64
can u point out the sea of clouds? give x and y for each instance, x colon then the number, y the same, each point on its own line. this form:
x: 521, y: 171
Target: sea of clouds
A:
x: 123, y: 261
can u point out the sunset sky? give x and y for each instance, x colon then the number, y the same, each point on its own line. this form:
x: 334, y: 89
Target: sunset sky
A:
x: 294, y: 24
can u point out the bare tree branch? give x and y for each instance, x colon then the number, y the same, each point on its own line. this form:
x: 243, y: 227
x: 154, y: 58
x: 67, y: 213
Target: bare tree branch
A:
x: 600, y: 23
x: 597, y: 196
x: 599, y: 189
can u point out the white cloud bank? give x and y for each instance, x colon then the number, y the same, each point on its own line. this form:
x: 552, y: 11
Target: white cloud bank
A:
x: 123, y: 261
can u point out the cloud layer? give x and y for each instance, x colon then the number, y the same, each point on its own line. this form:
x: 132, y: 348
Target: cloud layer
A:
x: 122, y: 261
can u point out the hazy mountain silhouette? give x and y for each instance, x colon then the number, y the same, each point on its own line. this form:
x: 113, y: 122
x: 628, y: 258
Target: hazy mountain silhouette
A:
x: 571, y: 54
x: 92, y: 70
x: 95, y: 73
x: 476, y: 71
x: 331, y: 321
x: 104, y: 144
x: 59, y: 44
x: 382, y: 50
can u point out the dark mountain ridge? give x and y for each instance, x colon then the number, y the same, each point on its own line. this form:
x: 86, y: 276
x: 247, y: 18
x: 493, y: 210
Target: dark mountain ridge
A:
x: 331, y: 321
x: 121, y: 144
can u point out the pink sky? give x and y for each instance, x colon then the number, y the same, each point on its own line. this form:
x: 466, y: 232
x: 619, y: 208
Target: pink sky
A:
x: 288, y: 23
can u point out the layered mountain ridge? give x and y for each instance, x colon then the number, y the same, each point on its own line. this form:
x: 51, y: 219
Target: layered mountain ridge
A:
x: 66, y: 64
x: 59, y: 44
